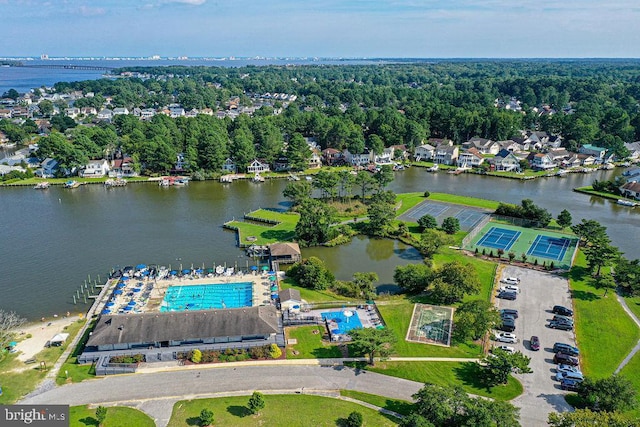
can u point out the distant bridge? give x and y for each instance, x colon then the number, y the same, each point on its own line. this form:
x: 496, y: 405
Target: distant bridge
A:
x: 68, y: 67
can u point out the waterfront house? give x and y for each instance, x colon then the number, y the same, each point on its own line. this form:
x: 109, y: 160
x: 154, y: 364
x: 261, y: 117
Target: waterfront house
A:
x: 105, y: 114
x: 384, y: 158
x: 160, y: 336
x: 147, y: 113
x: 358, y: 159
x: 123, y: 167
x: 509, y: 145
x: 634, y: 150
x: 472, y: 158
x: 483, y: 145
x: 258, y: 166
x: 95, y: 169
x: 631, y: 190
x: 315, y: 161
x: 424, y: 152
x: 542, y: 161
x: 181, y: 163
x: 285, y: 253
x: 229, y: 166
x: 281, y: 164
x: 445, y: 155
x: 558, y: 155
x: 332, y: 157
x: 506, y: 161
x: 572, y: 162
x: 400, y: 152
x: 595, y: 151
x: 175, y: 112
x: 48, y: 168
x: 586, y: 159
x: 289, y: 298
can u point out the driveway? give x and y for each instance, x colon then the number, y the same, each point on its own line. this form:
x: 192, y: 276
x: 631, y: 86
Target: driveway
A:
x: 539, y: 292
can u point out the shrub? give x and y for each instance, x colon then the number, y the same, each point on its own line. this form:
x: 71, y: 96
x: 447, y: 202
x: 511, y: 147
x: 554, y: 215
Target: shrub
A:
x: 274, y: 351
x: 256, y: 402
x: 101, y: 414
x: 196, y: 356
x: 426, y: 194
x: 354, y: 420
x: 29, y: 336
x: 206, y: 417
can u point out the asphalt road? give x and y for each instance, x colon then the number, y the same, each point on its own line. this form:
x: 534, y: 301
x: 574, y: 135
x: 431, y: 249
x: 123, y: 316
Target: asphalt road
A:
x: 539, y: 292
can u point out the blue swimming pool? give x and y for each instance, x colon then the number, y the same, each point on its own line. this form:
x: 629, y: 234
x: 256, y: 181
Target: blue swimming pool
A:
x: 207, y: 297
x: 342, y: 324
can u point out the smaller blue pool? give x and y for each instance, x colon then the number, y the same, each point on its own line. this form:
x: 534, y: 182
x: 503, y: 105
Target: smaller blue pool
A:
x: 342, y: 324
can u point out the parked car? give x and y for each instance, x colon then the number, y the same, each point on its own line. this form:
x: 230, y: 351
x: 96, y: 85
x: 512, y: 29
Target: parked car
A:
x: 506, y: 348
x: 507, y: 317
x: 509, y: 288
x: 567, y: 368
x: 562, y: 310
x: 562, y: 319
x: 561, y: 326
x: 507, y: 337
x: 565, y: 359
x: 573, y: 376
x: 508, y: 295
x: 511, y: 280
x: 566, y: 348
x: 534, y: 343
x: 510, y: 312
x: 570, y: 385
x: 508, y: 325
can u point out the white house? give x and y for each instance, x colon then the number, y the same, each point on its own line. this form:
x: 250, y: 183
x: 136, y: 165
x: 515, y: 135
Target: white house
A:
x: 95, y: 169
x: 120, y: 111
x: 634, y: 150
x: 105, y: 114
x: 446, y: 155
x: 385, y: 158
x: 147, y: 113
x: 542, y: 161
x: 72, y: 112
x: 506, y: 161
x: 484, y: 146
x: 471, y: 158
x: 257, y: 166
x: 424, y: 152
x: 358, y: 159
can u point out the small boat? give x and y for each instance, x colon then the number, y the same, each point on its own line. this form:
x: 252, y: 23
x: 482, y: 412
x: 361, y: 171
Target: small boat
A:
x: 308, y: 178
x: 71, y: 184
x: 433, y: 168
x: 608, y: 166
x: 41, y: 185
x: 164, y: 182
x: 180, y: 181
x: 227, y: 178
x: 258, y: 178
x: 626, y: 203
x: 561, y: 173
x: 293, y: 177
x: 115, y: 183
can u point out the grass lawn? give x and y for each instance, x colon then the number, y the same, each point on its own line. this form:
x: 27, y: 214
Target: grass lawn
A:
x: 279, y: 410
x: 397, y: 316
x: 632, y: 372
x: 310, y: 295
x: 604, y: 332
x: 465, y: 374
x: 116, y: 417
x: 396, y: 405
x: 310, y: 345
x: 486, y: 270
x: 634, y: 305
x: 409, y: 200
x: 16, y: 384
x: 266, y: 233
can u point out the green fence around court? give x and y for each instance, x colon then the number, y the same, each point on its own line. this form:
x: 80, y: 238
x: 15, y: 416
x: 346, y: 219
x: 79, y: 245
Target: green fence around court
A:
x: 523, y: 244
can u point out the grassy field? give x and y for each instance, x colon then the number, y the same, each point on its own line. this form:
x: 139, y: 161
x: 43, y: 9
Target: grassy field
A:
x: 486, y: 270
x: 266, y: 233
x: 604, y: 332
x: 310, y: 295
x: 279, y: 410
x: 465, y: 374
x: 116, y: 417
x: 632, y: 372
x: 18, y: 379
x: 590, y: 191
x: 310, y: 344
x: 409, y: 200
x: 399, y: 406
x: 634, y: 305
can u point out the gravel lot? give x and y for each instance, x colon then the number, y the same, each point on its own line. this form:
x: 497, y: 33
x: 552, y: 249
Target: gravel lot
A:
x: 539, y: 292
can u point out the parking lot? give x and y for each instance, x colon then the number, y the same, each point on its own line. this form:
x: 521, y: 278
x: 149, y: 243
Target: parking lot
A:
x: 539, y: 292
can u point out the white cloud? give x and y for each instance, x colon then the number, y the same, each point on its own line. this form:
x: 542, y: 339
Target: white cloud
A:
x: 91, y: 11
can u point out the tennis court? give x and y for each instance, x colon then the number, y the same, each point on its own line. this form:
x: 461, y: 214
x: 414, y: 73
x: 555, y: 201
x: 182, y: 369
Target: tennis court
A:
x: 549, y: 247
x: 431, y: 324
x: 468, y: 217
x: 499, y: 238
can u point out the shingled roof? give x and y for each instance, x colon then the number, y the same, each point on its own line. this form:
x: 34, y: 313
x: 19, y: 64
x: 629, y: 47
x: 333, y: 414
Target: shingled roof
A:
x: 284, y: 249
x: 179, y: 326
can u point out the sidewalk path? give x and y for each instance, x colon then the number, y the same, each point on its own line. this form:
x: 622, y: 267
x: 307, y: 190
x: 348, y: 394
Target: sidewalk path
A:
x: 635, y: 349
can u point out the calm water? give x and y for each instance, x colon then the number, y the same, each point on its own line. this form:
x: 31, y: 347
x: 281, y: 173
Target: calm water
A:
x: 51, y: 240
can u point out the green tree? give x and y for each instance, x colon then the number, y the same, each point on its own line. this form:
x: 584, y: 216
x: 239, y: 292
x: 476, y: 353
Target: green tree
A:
x: 614, y: 393
x: 588, y: 230
x: 298, y: 153
x: 256, y: 402
x: 627, y: 275
x: 311, y: 273
x: 354, y: 420
x: 431, y: 240
x: 365, y: 181
x: 46, y: 108
x: 101, y: 414
x: 440, y: 405
x: 589, y: 418
x: 451, y: 225
x: 297, y: 191
x: 364, y: 283
x: 427, y: 221
x: 497, y: 366
x: 412, y: 278
x: 473, y: 319
x: 327, y: 182
x: 453, y: 281
x: 373, y: 342
x: 383, y: 177
x: 605, y: 282
x: 415, y: 420
x: 206, y: 417
x: 316, y: 219
x: 564, y: 219
x: 381, y: 211
x: 599, y: 253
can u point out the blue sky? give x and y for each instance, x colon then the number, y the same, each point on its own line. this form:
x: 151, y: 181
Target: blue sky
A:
x: 323, y: 28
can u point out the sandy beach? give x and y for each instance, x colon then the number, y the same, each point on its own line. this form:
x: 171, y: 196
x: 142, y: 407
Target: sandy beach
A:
x: 41, y: 332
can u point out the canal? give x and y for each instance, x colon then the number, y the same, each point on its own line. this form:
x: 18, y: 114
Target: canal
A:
x: 53, y: 239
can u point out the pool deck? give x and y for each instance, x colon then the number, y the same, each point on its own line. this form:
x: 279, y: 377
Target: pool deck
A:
x: 150, y: 301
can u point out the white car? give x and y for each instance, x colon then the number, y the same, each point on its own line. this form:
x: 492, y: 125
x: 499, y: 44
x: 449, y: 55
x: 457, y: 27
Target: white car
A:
x: 509, y: 288
x: 511, y: 280
x: 505, y: 348
x: 574, y: 376
x: 568, y: 368
x: 507, y: 337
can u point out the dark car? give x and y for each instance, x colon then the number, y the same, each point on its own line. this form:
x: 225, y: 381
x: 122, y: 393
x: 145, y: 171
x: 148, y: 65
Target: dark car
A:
x: 561, y: 326
x: 508, y: 295
x: 565, y: 359
x: 562, y: 319
x: 562, y: 310
x: 566, y: 348
x: 535, y: 343
x: 508, y: 325
x: 570, y: 385
x: 509, y: 312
